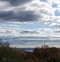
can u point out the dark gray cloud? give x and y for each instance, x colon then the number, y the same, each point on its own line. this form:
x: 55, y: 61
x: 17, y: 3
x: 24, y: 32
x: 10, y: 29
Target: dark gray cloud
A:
x: 57, y: 31
x: 29, y: 32
x: 21, y: 16
x: 6, y: 15
x: 17, y: 13
x: 17, y: 2
x: 57, y: 26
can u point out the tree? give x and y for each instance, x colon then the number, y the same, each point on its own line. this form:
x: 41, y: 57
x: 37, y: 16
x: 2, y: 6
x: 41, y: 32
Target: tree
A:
x: 4, y: 44
x: 45, y: 46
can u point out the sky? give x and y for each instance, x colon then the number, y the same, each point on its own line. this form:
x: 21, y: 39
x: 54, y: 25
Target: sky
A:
x: 35, y: 18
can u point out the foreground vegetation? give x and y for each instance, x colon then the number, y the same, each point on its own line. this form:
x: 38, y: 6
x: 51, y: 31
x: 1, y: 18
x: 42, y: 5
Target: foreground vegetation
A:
x: 44, y: 54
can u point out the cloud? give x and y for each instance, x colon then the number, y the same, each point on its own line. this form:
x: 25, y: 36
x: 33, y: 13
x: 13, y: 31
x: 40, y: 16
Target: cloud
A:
x: 40, y: 32
x: 29, y: 32
x: 24, y: 11
x: 16, y: 2
x: 37, y: 44
x: 28, y: 10
x: 5, y: 32
x: 22, y: 16
x: 57, y: 31
x: 55, y: 25
x: 44, y: 0
x: 31, y: 11
x: 44, y: 33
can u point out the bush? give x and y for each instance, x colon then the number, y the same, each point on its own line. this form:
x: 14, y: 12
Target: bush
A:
x: 45, y: 54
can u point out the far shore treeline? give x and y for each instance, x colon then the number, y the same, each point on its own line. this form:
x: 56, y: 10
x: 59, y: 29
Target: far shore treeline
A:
x: 43, y: 54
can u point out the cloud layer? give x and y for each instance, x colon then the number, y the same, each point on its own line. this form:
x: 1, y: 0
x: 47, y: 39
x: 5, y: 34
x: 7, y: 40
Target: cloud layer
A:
x: 23, y: 12
x: 29, y: 10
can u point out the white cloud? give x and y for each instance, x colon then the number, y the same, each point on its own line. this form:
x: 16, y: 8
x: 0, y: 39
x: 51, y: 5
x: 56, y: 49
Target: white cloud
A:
x: 42, y: 9
x: 4, y: 6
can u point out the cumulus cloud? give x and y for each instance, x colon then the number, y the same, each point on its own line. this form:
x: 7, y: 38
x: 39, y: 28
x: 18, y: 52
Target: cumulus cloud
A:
x: 34, y: 10
x: 29, y: 10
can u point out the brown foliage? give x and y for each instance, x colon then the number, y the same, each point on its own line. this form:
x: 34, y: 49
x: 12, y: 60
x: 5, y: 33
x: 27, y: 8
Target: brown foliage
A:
x: 8, y: 54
